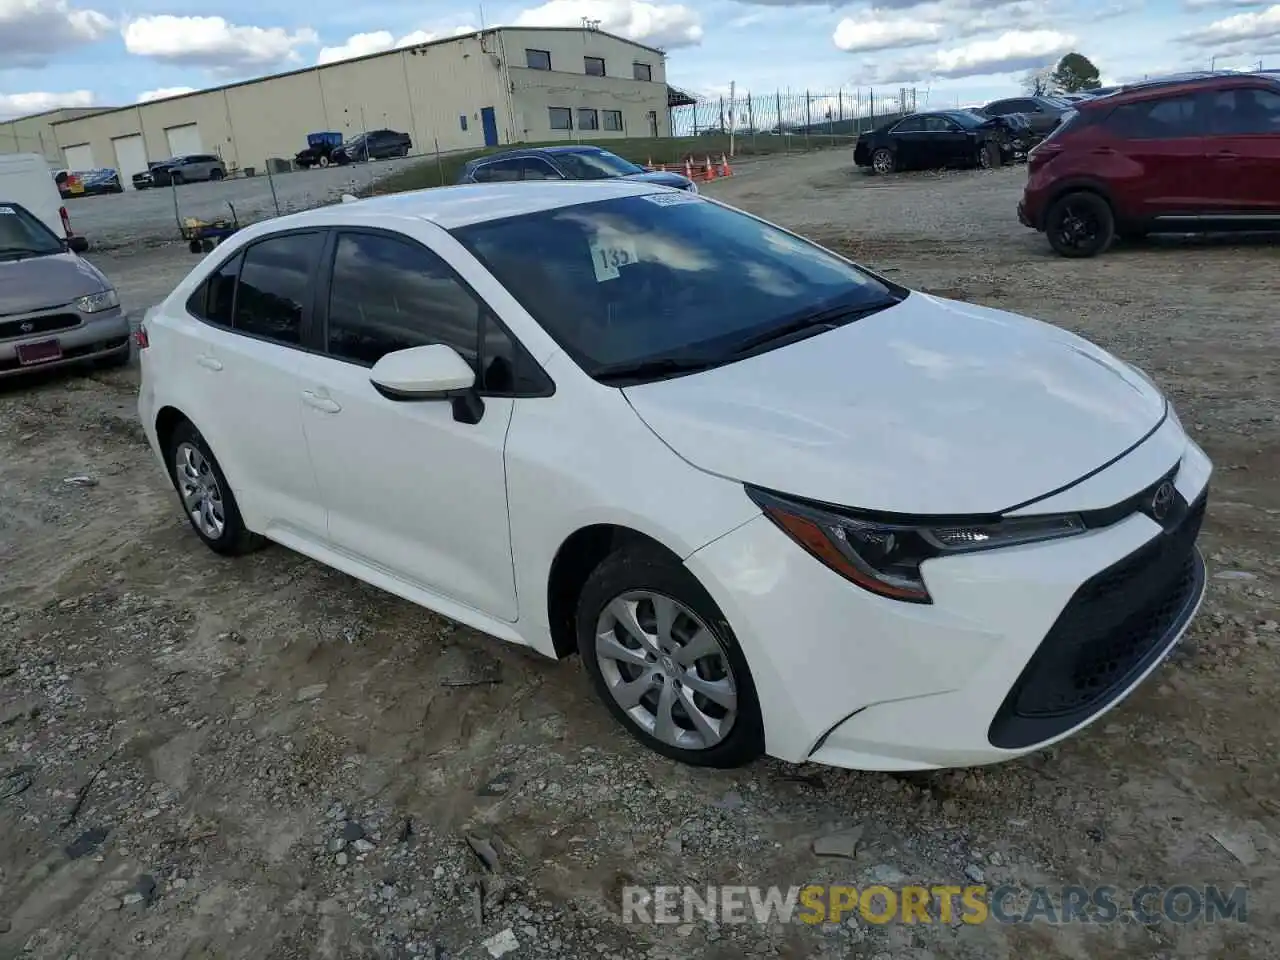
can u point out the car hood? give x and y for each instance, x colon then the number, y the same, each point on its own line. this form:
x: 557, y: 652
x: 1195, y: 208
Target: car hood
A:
x: 37, y: 283
x: 661, y: 177
x: 929, y: 407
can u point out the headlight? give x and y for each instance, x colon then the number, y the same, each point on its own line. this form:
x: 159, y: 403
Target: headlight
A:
x: 97, y: 302
x: 884, y: 555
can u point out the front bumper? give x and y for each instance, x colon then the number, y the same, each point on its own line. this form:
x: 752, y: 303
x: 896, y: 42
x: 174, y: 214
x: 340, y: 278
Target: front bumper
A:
x: 1023, y: 217
x: 853, y: 680
x: 81, y: 337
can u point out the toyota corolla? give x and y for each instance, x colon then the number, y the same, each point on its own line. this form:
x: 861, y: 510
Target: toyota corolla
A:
x: 777, y: 503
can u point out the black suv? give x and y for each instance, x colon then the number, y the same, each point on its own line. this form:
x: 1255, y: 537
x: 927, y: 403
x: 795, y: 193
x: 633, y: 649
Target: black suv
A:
x: 374, y: 145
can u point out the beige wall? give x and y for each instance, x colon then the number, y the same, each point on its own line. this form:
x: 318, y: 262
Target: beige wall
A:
x: 35, y: 134
x: 422, y: 90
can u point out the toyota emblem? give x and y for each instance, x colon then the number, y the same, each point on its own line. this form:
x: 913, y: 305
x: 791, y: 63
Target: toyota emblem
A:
x: 27, y: 326
x: 1162, y: 501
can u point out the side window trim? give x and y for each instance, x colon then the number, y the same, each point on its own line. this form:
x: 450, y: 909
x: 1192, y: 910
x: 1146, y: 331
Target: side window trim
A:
x: 486, y: 314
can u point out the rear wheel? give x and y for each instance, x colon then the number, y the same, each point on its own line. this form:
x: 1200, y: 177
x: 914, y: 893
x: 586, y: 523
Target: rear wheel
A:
x: 666, y: 663
x: 323, y: 162
x: 177, y: 179
x: 989, y: 156
x: 206, y: 496
x: 1080, y: 224
x: 882, y: 161
x: 215, y: 174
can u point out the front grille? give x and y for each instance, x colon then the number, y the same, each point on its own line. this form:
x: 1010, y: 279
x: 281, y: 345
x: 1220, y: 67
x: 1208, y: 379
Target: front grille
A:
x: 29, y: 327
x: 1115, y: 626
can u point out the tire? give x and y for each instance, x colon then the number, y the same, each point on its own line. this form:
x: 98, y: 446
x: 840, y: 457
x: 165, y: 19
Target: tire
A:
x: 177, y: 179
x: 989, y: 156
x: 192, y: 463
x: 323, y: 162
x: 1080, y: 224
x: 215, y: 174
x: 634, y: 581
x: 883, y: 161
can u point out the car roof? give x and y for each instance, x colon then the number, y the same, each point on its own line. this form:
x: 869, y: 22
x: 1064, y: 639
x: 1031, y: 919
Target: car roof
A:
x: 469, y: 203
x: 536, y: 152
x: 1178, y: 83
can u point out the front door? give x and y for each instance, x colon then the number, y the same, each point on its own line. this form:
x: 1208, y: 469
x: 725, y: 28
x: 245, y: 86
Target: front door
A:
x: 489, y: 122
x: 409, y: 489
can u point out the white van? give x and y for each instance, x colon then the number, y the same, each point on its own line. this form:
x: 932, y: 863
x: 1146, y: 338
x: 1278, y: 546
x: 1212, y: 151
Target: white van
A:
x: 27, y: 180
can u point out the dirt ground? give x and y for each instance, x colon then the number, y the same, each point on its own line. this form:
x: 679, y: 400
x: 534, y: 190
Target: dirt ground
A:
x: 263, y: 758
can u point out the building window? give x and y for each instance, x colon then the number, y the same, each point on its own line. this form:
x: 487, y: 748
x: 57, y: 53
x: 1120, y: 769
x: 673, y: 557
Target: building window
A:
x: 642, y: 71
x: 588, y: 120
x: 561, y: 118
x: 462, y: 120
x: 593, y: 66
x: 537, y: 59
x: 613, y: 119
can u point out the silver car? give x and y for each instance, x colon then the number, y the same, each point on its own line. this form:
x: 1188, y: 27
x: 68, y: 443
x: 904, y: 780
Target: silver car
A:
x: 55, y: 308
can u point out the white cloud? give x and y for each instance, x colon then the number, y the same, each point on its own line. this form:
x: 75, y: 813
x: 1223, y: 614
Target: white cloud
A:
x: 214, y: 43
x: 379, y: 41
x: 1011, y: 52
x: 31, y: 31
x: 657, y: 24
x: 163, y: 93
x: 863, y: 35
x: 23, y: 104
x: 1243, y: 27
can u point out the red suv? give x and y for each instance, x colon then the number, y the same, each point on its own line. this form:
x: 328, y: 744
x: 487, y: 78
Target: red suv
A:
x: 1169, y: 157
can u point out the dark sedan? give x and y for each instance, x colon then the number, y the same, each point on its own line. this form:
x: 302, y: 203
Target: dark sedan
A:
x: 578, y: 162
x: 948, y: 138
x: 374, y: 145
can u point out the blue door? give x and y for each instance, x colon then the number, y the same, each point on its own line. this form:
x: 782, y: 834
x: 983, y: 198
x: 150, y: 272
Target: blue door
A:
x: 490, y: 124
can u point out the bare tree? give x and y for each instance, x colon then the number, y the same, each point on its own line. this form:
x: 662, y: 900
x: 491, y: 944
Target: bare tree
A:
x: 1038, y: 82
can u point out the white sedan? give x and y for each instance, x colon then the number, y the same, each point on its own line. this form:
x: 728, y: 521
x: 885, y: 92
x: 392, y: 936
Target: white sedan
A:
x: 776, y: 502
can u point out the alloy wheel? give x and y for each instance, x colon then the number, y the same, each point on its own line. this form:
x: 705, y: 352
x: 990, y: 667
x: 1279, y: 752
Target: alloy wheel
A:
x: 1078, y: 227
x: 198, y: 487
x: 882, y: 161
x: 665, y: 668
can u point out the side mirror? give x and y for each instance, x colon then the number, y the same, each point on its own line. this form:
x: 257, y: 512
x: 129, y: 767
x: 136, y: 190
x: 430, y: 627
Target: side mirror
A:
x: 77, y: 244
x: 433, y: 372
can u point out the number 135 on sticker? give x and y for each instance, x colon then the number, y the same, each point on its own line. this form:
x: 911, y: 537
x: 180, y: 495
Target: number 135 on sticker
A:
x: 607, y: 257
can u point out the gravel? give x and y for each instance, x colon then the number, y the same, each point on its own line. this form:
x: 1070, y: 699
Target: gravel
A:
x: 168, y: 740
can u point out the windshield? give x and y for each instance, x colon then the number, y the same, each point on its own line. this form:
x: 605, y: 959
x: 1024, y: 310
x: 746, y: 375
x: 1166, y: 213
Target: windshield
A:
x: 595, y: 165
x: 22, y: 234
x: 967, y: 118
x: 638, y: 279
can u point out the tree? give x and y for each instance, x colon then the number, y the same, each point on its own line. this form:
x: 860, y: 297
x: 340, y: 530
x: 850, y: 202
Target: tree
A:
x: 1037, y: 82
x: 1075, y: 72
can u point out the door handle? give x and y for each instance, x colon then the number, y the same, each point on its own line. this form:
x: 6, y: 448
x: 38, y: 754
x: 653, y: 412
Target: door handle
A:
x: 323, y: 404
x: 208, y: 362
x: 1227, y: 155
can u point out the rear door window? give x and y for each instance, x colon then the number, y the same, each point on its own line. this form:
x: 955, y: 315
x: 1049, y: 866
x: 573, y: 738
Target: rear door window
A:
x: 1169, y: 118
x: 910, y: 125
x: 275, y: 286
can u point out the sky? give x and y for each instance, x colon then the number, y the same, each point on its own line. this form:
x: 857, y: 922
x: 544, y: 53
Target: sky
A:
x: 98, y: 52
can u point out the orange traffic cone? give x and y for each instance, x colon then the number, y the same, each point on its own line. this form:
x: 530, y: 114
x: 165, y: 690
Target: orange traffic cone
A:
x: 688, y: 168
x: 649, y: 164
x: 725, y: 170
x: 710, y: 173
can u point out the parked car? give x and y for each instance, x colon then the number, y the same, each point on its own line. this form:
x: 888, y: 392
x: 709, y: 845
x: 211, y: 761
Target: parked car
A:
x: 146, y: 178
x: 374, y: 145
x: 775, y: 501
x: 1198, y: 155
x: 576, y: 162
x: 55, y: 308
x: 195, y: 166
x: 320, y: 147
x: 100, y: 181
x: 1043, y: 113
x: 946, y: 138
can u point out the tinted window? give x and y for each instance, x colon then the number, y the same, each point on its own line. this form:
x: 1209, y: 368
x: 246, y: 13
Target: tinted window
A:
x: 1000, y: 107
x: 910, y: 125
x: 275, y: 282
x: 642, y: 71
x: 537, y: 59
x: 613, y: 119
x: 621, y: 280
x: 1163, y: 119
x: 561, y: 118
x: 593, y: 66
x: 535, y: 168
x: 498, y: 170
x: 1244, y: 112
x: 596, y: 165
x: 213, y: 299
x: 390, y: 294
x: 938, y: 125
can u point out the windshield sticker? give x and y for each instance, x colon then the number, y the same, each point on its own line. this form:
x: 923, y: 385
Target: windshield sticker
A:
x: 671, y: 198
x: 9, y: 210
x: 608, y: 254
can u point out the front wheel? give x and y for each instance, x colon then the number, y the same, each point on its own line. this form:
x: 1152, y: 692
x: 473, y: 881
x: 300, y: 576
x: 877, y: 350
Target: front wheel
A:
x: 323, y: 162
x: 215, y: 175
x: 177, y: 179
x: 989, y: 156
x: 666, y: 663
x: 882, y: 161
x: 206, y: 496
x: 1080, y: 224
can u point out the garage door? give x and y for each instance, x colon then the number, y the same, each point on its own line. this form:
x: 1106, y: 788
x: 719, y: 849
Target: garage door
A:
x: 184, y: 139
x: 78, y: 157
x: 131, y: 157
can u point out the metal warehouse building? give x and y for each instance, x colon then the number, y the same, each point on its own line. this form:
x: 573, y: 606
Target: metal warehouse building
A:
x: 505, y: 85
x: 35, y: 134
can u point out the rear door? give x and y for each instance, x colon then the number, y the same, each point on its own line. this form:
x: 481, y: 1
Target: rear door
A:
x: 1169, y: 173
x: 1243, y: 147
x: 944, y: 142
x: 906, y: 140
